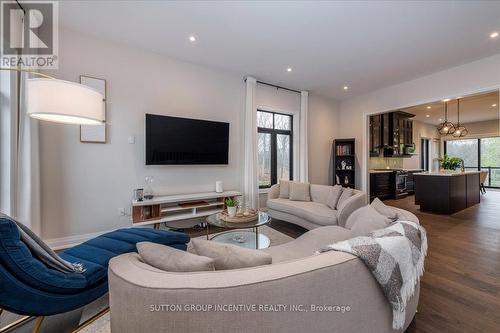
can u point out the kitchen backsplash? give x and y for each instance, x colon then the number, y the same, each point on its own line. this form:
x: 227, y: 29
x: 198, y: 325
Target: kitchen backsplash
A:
x: 386, y: 163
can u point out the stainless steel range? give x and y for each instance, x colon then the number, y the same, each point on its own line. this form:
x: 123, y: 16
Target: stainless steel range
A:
x: 401, y: 186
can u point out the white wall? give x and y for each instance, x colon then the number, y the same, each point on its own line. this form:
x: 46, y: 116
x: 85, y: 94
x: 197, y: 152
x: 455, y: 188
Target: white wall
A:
x: 83, y: 184
x: 481, y: 75
x: 323, y: 129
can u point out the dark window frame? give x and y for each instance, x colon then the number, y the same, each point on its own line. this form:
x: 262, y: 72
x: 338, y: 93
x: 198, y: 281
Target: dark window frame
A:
x: 424, y: 153
x: 274, y: 153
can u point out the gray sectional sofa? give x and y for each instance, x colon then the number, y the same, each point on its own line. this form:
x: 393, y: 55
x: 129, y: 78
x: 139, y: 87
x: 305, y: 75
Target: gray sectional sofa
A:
x: 345, y: 296
x: 314, y: 213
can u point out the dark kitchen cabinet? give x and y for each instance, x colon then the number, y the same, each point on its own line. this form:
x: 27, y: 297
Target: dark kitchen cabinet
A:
x: 410, y: 181
x: 375, y: 135
x: 386, y: 130
x: 382, y: 185
x: 397, y: 133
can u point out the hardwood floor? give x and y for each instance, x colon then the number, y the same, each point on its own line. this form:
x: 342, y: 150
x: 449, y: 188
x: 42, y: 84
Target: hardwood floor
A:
x: 460, y: 289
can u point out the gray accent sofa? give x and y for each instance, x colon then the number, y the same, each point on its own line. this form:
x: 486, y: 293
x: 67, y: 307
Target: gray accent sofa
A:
x: 146, y: 299
x: 314, y: 213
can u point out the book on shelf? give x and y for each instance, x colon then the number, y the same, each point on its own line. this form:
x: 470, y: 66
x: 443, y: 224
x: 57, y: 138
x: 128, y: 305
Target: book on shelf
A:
x: 342, y: 150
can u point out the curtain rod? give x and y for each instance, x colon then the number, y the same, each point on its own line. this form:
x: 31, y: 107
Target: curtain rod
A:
x: 276, y: 86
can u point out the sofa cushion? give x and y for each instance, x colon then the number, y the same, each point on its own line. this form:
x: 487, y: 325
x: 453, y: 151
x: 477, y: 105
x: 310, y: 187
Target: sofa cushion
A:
x: 365, y: 220
x: 346, y: 194
x: 228, y: 256
x: 173, y: 260
x: 284, y: 189
x: 300, y: 191
x: 385, y: 210
x: 320, y: 193
x: 315, y: 212
x: 308, y: 243
x: 334, y: 196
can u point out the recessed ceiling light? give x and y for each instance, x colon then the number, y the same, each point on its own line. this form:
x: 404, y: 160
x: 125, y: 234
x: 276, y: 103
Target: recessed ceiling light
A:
x: 192, y: 39
x: 429, y: 107
x: 289, y: 69
x: 493, y: 105
x: 494, y: 35
x: 346, y: 87
x: 428, y: 115
x: 446, y: 100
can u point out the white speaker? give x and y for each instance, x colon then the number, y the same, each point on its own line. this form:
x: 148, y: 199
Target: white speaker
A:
x: 219, y: 186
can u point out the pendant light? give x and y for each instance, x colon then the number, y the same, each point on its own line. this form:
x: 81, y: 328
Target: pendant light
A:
x: 446, y: 128
x: 460, y: 131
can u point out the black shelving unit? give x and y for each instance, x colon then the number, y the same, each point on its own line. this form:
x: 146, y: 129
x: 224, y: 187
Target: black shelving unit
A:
x: 344, y: 157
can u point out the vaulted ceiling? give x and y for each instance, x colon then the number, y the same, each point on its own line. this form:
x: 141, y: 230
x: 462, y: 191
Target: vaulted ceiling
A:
x: 365, y: 45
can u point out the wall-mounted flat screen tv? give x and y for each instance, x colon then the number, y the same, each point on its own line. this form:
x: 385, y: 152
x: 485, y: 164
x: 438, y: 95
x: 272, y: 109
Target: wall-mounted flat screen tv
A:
x: 174, y: 140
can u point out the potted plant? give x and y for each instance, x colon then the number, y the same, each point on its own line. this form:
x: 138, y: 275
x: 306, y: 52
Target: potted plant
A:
x: 232, y: 206
x: 450, y: 163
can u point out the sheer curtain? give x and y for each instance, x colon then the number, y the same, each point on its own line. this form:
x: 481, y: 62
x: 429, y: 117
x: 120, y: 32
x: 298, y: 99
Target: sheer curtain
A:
x: 304, y: 149
x: 250, y: 181
x: 19, y: 171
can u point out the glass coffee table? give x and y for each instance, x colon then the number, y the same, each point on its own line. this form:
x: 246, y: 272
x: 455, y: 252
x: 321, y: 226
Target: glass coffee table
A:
x: 242, y: 234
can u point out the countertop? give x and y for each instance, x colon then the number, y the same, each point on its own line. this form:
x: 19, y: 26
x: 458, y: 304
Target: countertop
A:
x: 392, y: 170
x: 381, y: 171
x: 447, y: 173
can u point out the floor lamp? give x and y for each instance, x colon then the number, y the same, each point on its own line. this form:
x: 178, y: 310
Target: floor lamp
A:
x: 51, y: 99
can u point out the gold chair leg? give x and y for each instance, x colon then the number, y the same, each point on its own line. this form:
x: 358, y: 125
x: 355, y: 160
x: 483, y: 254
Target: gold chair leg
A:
x: 21, y: 321
x: 38, y: 324
x: 90, y: 320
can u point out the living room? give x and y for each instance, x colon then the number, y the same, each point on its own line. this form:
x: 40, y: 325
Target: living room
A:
x: 286, y: 91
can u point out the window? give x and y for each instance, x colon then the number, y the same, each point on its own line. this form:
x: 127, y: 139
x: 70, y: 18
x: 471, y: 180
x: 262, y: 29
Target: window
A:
x: 274, y: 147
x: 465, y: 149
x: 478, y: 154
x: 490, y: 160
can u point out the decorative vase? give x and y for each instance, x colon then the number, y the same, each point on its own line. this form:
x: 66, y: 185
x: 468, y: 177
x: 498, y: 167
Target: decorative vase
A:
x: 231, y: 211
x: 148, y: 188
x: 219, y: 186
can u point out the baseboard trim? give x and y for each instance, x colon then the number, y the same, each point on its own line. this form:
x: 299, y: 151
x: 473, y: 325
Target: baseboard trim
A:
x: 70, y: 241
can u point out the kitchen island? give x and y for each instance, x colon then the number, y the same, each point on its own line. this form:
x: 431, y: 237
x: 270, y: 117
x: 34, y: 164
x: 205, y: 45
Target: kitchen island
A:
x: 446, y: 192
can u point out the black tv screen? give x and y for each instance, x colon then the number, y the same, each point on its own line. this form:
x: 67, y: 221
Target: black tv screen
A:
x: 173, y: 140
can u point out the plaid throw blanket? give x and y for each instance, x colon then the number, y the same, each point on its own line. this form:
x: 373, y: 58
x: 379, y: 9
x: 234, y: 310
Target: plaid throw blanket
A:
x: 395, y: 256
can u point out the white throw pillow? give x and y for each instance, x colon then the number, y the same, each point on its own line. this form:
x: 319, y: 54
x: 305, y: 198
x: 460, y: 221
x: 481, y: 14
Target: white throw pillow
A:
x: 364, y: 220
x: 300, y: 191
x: 227, y: 256
x: 169, y: 259
x: 346, y: 194
x: 385, y: 210
x: 334, y: 196
x: 284, y: 189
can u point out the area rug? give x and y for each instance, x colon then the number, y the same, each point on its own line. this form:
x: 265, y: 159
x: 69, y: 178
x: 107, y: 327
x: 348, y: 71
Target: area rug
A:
x: 102, y: 325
